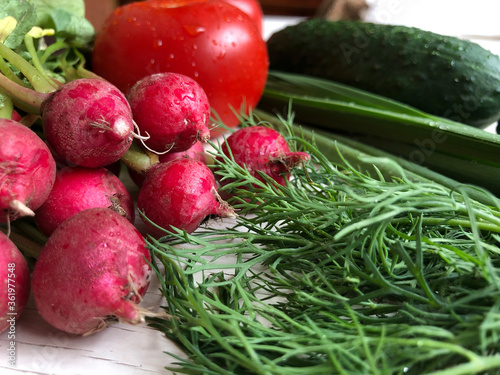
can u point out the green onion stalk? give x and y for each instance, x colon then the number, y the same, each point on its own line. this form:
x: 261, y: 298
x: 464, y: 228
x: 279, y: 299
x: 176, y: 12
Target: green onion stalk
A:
x: 345, y: 270
x: 456, y: 150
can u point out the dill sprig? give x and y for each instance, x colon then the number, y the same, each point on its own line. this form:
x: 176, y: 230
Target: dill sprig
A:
x: 338, y: 272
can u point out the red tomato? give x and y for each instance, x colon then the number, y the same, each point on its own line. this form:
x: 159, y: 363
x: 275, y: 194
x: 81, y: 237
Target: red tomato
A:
x: 252, y: 8
x: 210, y: 41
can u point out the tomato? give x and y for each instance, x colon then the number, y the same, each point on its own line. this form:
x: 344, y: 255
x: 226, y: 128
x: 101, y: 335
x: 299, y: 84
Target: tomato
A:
x: 252, y: 8
x: 210, y: 41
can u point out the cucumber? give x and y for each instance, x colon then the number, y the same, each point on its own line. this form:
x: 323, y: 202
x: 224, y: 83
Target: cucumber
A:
x: 441, y: 75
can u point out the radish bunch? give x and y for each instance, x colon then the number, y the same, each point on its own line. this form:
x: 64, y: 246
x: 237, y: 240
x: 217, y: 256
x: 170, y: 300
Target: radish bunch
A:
x: 95, y: 265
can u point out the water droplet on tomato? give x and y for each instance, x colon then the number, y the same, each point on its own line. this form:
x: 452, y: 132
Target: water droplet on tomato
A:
x: 171, y: 56
x: 158, y: 43
x: 195, y: 46
x: 132, y: 19
x: 196, y: 74
x: 194, y: 30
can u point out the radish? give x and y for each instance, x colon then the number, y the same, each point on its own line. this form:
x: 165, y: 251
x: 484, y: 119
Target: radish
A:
x: 262, y: 149
x: 196, y: 151
x: 27, y: 170
x: 179, y: 194
x: 16, y: 287
x: 16, y: 116
x: 76, y: 189
x: 93, y: 269
x: 87, y: 121
x: 172, y: 109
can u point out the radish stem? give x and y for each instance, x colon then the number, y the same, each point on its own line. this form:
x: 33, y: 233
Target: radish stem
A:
x: 23, y: 94
x: 30, y: 46
x: 138, y: 159
x: 38, y: 81
x: 51, y: 49
x: 5, y: 69
x: 7, y: 106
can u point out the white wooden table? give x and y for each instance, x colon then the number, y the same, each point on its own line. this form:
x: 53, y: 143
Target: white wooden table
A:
x: 124, y: 349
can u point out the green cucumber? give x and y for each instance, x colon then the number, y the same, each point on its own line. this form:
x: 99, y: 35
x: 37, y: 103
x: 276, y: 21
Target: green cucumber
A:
x: 441, y: 75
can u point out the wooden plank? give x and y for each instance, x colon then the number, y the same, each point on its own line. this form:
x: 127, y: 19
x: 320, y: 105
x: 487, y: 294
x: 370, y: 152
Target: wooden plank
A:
x: 290, y: 7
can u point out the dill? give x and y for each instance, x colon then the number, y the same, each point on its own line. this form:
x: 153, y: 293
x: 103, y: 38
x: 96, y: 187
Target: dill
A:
x: 341, y: 271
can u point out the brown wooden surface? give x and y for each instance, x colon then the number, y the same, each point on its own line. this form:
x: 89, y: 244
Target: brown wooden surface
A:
x: 290, y: 7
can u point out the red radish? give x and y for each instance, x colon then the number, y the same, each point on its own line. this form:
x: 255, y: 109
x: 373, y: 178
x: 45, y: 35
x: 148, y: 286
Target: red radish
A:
x: 78, y: 188
x: 16, y: 116
x: 27, y: 170
x: 181, y: 194
x: 197, y: 152
x: 15, y: 279
x: 172, y: 109
x: 88, y: 122
x: 263, y: 149
x: 94, y: 268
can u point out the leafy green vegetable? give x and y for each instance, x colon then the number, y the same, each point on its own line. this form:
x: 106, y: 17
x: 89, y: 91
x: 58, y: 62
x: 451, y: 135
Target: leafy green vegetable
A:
x: 66, y: 17
x: 46, y: 7
x: 25, y: 15
x: 44, y: 44
x: 68, y: 22
x: 339, y: 272
x: 459, y: 151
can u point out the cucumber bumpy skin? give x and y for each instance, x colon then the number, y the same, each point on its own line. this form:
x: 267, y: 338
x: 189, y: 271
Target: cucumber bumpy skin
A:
x: 441, y: 75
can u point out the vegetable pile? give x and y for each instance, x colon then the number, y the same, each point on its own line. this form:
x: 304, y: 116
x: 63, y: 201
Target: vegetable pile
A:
x: 310, y: 239
x: 67, y: 134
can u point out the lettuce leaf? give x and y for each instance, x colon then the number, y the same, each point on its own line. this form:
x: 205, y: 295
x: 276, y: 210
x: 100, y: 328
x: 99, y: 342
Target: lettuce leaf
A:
x: 67, y: 18
x: 25, y: 14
